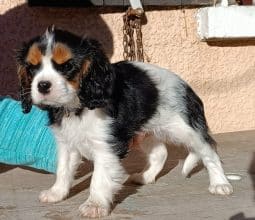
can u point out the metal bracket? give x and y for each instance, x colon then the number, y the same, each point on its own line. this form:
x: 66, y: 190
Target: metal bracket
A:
x: 135, y: 4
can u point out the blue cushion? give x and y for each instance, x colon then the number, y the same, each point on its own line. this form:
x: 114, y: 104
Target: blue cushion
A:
x: 25, y: 139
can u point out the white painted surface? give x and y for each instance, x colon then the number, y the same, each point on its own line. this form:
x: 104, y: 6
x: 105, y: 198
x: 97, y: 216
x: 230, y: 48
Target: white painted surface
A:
x: 226, y: 22
x: 234, y: 177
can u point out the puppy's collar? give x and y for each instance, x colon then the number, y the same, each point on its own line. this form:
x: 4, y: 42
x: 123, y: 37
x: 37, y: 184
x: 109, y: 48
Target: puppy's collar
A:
x: 75, y: 111
x: 67, y: 112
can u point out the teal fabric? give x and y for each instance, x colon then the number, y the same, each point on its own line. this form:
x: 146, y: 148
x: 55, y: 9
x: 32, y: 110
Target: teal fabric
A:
x: 25, y: 139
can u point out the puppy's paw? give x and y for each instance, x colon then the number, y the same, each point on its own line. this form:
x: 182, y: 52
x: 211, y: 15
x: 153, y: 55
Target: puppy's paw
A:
x: 51, y: 196
x: 140, y: 179
x: 93, y: 210
x: 221, y: 189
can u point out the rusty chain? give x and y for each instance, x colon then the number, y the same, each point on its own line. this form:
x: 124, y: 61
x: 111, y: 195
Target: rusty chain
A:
x: 133, y: 49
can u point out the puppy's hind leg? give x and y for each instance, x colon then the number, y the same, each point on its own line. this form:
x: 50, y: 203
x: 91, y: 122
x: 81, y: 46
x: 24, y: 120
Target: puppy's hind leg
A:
x: 156, y: 156
x: 190, y: 163
x: 218, y: 181
x: 200, y: 143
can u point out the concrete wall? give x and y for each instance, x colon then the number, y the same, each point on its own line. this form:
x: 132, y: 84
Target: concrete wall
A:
x: 222, y: 73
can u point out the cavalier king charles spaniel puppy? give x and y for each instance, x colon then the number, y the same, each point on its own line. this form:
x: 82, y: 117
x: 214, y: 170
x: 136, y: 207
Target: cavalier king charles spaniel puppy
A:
x: 96, y: 108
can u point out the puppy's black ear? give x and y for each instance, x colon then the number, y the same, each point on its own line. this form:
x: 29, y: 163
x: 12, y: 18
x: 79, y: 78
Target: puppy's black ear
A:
x: 97, y: 76
x: 25, y: 79
x: 25, y: 89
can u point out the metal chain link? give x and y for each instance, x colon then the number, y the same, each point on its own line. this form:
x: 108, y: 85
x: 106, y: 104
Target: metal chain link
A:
x: 133, y: 49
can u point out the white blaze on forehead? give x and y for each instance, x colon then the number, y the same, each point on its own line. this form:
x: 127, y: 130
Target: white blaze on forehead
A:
x: 47, y: 67
x: 47, y: 72
x: 49, y: 41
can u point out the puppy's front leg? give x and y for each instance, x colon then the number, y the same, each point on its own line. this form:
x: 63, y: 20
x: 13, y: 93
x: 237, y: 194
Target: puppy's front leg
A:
x: 68, y: 160
x: 107, y: 179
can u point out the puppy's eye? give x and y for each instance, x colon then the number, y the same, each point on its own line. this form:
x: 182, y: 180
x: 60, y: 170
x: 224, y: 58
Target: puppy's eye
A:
x: 64, y: 67
x: 32, y: 68
x: 67, y: 66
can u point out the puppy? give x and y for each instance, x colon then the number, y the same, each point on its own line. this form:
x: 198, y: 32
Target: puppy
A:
x: 96, y: 108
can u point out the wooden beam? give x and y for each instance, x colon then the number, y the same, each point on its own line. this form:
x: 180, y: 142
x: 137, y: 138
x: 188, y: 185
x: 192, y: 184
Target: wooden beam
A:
x: 84, y: 3
x: 177, y: 2
x: 161, y: 2
x: 65, y: 3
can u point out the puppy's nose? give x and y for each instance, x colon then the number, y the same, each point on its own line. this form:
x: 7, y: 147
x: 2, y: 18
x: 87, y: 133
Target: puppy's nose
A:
x: 44, y: 87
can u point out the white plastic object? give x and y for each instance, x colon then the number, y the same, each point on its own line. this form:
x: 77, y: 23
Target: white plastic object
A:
x: 230, y: 22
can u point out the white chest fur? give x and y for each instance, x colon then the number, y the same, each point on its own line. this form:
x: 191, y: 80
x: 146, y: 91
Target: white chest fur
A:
x: 87, y: 133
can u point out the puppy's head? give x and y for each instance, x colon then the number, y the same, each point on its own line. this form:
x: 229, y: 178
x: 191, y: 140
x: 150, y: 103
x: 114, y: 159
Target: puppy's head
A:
x: 60, y: 69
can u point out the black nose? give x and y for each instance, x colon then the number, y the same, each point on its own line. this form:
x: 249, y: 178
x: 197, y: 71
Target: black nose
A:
x: 44, y: 87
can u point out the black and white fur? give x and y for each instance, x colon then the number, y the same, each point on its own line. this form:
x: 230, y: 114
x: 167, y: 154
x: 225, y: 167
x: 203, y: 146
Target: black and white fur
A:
x: 113, y: 103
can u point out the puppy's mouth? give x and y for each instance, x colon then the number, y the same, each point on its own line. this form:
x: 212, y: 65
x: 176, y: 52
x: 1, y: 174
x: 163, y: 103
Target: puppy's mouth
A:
x: 67, y: 101
x: 45, y: 101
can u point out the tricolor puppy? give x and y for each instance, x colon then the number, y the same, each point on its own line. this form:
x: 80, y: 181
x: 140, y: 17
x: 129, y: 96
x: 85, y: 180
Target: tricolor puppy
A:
x: 96, y: 108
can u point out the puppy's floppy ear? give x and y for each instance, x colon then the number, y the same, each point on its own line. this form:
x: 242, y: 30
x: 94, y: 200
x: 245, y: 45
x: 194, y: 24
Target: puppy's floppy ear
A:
x: 25, y: 79
x: 25, y: 89
x: 97, y: 76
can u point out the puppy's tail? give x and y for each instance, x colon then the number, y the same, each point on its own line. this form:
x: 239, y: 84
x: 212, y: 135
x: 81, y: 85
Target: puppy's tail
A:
x: 196, y: 116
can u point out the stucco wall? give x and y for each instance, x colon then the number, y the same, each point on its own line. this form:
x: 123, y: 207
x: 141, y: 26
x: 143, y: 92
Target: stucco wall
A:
x: 222, y: 73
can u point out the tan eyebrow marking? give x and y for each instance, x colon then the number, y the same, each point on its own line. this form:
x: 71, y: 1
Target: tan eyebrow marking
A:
x: 85, y: 67
x: 61, y: 53
x: 34, y: 55
x: 75, y: 83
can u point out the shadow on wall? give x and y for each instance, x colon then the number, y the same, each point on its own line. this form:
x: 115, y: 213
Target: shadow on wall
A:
x: 21, y: 23
x: 232, y: 43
